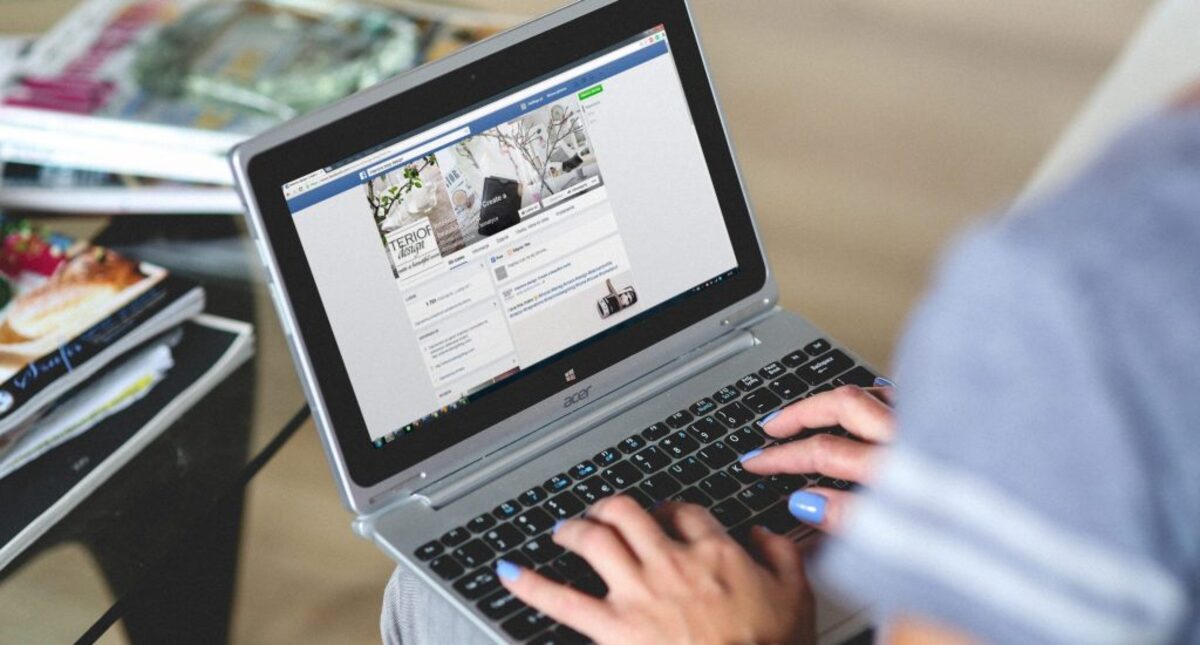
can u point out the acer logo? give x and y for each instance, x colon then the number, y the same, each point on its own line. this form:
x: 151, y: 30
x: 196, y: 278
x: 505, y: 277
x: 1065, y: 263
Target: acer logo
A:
x: 577, y: 397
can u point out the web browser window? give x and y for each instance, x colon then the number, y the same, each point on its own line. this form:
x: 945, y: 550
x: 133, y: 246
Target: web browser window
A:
x: 454, y: 259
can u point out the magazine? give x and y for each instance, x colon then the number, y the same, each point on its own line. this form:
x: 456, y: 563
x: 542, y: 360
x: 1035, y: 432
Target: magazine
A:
x: 39, y: 493
x: 68, y: 308
x: 164, y: 88
x: 52, y: 189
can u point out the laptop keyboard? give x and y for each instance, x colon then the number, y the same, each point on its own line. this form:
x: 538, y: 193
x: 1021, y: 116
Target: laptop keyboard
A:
x: 690, y: 456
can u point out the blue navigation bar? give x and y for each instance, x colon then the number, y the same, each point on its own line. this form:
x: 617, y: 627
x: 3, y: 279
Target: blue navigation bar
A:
x: 491, y: 120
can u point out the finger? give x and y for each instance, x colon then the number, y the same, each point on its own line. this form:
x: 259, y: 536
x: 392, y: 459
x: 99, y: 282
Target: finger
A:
x: 688, y: 522
x: 827, y: 454
x: 849, y: 406
x: 568, y: 606
x: 885, y: 394
x: 824, y: 508
x: 780, y: 555
x: 602, y: 547
x: 643, y: 535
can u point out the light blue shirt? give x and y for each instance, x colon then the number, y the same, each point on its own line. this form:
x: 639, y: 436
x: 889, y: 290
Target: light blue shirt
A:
x: 1046, y: 483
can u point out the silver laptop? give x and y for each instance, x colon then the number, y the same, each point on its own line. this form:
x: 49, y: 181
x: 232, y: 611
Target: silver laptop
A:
x: 524, y: 278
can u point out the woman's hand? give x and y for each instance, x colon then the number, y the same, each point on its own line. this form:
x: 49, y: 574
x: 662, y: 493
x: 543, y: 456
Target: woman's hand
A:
x: 688, y: 584
x: 862, y: 412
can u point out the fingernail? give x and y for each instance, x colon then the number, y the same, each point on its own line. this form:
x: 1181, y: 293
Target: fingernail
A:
x: 507, y: 570
x: 807, y: 507
x: 767, y: 419
x: 557, y: 525
x: 882, y: 382
x: 751, y: 455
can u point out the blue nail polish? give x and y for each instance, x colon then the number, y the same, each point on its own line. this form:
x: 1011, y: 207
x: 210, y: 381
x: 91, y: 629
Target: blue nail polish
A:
x: 767, y: 419
x: 882, y: 382
x: 751, y: 455
x: 507, y: 570
x: 557, y: 525
x: 807, y: 507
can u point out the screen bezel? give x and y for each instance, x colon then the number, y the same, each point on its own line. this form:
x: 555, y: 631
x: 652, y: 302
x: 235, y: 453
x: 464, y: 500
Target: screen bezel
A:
x: 411, y: 111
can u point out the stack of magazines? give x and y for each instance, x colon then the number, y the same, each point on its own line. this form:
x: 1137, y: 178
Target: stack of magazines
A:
x: 131, y: 106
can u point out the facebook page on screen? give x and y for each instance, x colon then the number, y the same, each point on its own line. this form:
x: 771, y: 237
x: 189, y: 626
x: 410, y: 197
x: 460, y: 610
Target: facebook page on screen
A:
x: 452, y: 260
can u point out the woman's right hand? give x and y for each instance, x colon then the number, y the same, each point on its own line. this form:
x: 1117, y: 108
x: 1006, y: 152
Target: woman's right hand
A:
x: 864, y: 412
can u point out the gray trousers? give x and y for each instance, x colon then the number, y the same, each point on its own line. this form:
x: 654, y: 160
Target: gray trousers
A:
x: 414, y: 614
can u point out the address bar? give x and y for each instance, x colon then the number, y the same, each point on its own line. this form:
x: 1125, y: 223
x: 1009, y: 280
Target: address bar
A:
x: 440, y: 142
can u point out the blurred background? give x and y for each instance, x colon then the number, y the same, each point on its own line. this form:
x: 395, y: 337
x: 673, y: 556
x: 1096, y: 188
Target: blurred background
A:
x: 869, y: 132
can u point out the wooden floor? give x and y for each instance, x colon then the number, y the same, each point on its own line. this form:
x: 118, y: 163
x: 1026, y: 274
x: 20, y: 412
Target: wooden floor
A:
x: 868, y: 131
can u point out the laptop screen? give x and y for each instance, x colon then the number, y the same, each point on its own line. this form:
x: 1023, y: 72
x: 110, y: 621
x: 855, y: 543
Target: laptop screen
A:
x: 454, y: 260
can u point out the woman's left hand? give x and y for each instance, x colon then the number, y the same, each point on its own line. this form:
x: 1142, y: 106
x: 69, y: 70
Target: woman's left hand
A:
x: 689, y: 583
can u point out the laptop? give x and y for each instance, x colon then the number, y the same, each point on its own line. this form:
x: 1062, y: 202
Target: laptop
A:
x: 526, y: 277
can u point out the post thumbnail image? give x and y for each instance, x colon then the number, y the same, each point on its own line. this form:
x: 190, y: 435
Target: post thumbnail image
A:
x: 484, y: 184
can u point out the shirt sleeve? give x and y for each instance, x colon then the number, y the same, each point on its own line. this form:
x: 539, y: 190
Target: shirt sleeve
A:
x: 1035, y: 490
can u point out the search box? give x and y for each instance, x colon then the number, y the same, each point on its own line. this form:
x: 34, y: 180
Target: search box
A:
x: 409, y: 154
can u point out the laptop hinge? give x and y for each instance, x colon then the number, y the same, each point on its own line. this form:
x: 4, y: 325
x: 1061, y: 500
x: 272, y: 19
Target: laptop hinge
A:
x: 529, y: 447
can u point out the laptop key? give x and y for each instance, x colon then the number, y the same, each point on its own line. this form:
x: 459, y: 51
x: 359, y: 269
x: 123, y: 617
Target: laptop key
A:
x: 542, y: 549
x: 749, y: 382
x: 693, y: 495
x: 817, y: 347
x: 607, y: 457
x: 655, y: 432
x: 446, y: 567
x: 679, y: 419
x: 557, y: 483
x: 549, y: 573
x: 526, y: 624
x: 777, y: 519
x: 561, y: 635
x: 622, y: 475
x: 719, y: 485
x: 592, y: 586
x: 825, y: 367
x: 533, y: 496
x: 583, y: 470
x: 688, y: 471
x: 572, y: 567
x: 730, y: 512
x: 761, y: 401
x: 564, y: 506
x: 504, y: 537
x: 473, y: 554
x: 795, y: 359
x: 519, y: 558
x: 477, y: 583
x: 717, y: 455
x: 455, y: 536
x: 534, y: 521
x: 428, y: 550
x: 744, y: 440
x: 758, y: 496
x: 593, y: 490
x: 500, y: 604
x: 650, y: 459
x: 702, y: 407
x: 482, y: 523
x: 726, y: 394
x: 788, y: 387
x: 785, y: 484
x: 660, y: 486
x: 507, y: 510
x: 772, y: 371
x: 631, y: 444
x: 734, y: 415
x: 707, y: 430
x: 859, y: 376
x: 740, y: 473
x: 641, y: 498
x: 679, y: 444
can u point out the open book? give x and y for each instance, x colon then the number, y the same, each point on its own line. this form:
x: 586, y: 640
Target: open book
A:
x: 67, y: 309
